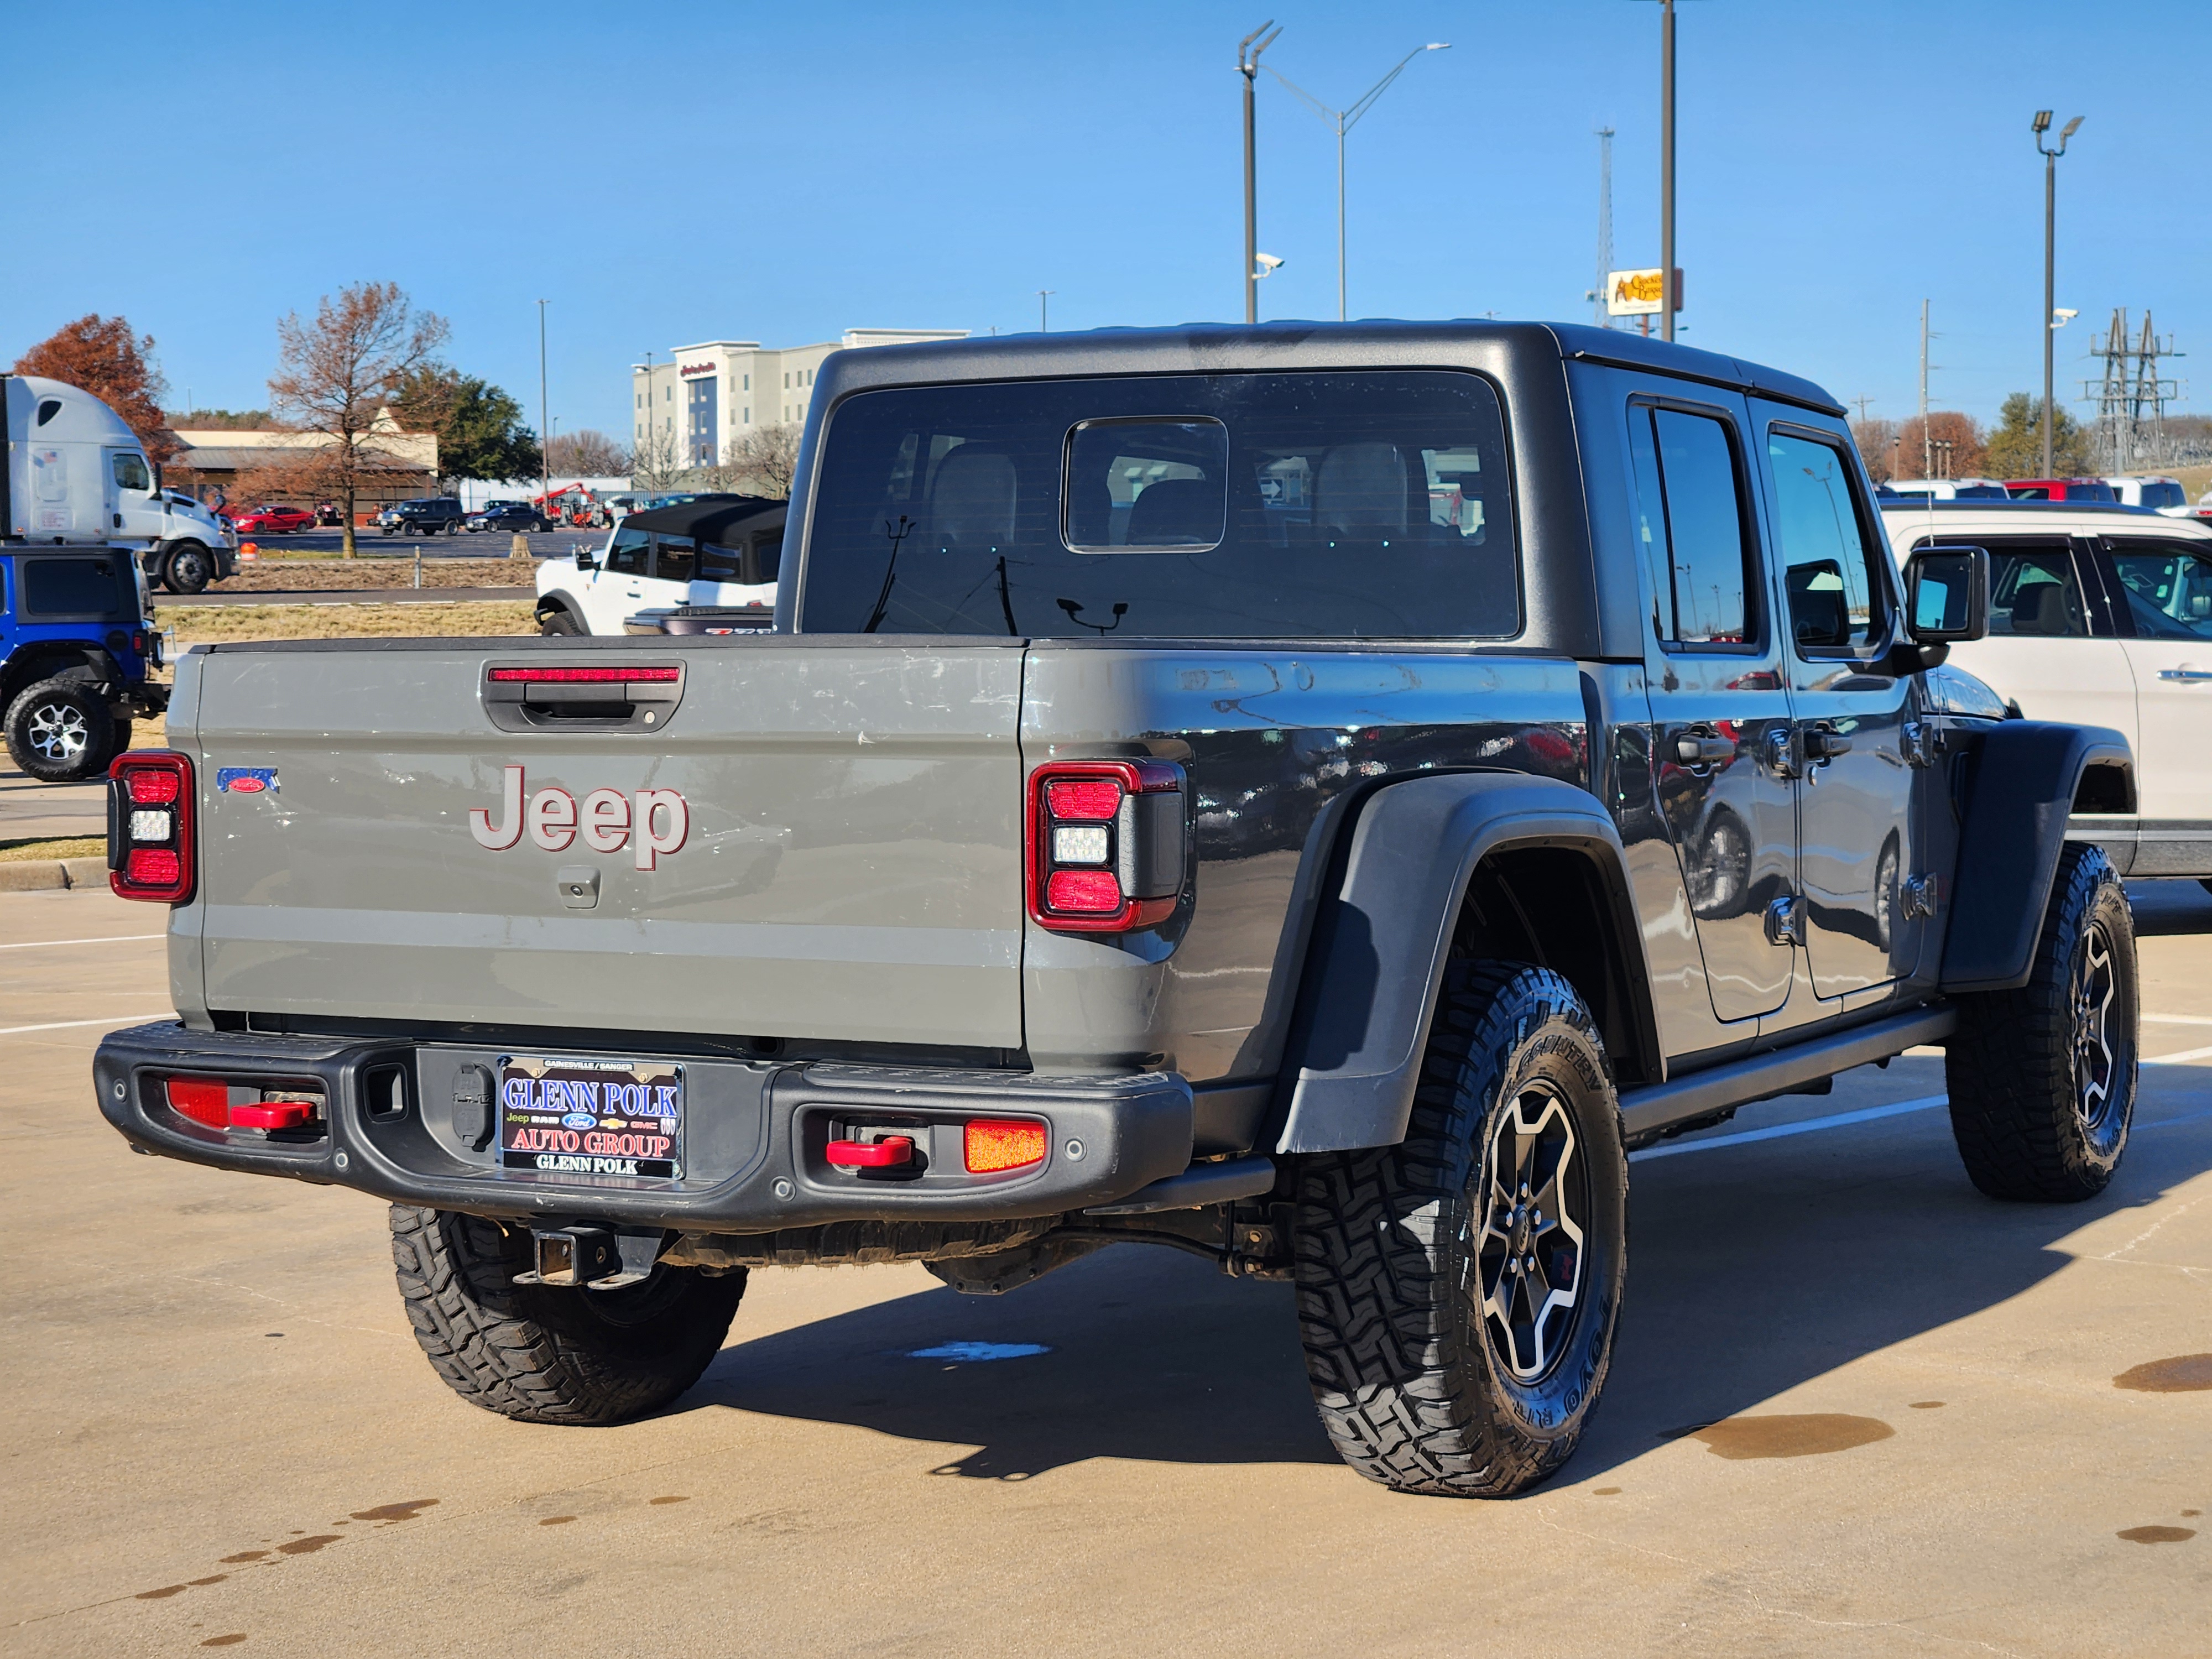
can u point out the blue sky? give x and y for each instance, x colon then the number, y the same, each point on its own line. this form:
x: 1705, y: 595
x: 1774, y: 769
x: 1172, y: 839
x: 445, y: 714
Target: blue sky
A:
x: 665, y: 174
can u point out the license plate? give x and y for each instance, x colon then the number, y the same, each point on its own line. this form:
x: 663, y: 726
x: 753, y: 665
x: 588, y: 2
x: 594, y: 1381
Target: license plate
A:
x: 564, y: 1116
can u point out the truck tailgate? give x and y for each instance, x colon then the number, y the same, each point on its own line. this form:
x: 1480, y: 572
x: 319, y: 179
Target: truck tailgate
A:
x: 850, y: 866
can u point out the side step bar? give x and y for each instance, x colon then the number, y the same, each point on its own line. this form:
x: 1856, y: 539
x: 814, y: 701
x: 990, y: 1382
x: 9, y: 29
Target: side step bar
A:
x: 1644, y: 1112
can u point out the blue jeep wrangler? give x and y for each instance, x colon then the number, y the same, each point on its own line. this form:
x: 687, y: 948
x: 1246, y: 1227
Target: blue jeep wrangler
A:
x: 76, y: 646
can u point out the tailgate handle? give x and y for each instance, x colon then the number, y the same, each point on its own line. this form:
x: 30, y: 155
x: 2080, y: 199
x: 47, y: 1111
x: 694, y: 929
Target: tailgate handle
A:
x: 582, y: 697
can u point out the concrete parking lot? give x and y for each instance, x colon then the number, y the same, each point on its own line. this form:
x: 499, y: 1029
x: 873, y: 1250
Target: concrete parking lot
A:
x: 1858, y: 1410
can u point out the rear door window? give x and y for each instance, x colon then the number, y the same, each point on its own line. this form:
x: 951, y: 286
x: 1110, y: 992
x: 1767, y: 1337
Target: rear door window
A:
x: 674, y: 558
x: 2167, y: 584
x: 1281, y: 505
x: 75, y: 587
x: 1692, y: 527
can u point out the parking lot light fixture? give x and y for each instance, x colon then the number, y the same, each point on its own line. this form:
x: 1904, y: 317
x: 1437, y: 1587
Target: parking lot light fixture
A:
x: 1248, y: 66
x: 1341, y: 121
x: 2050, y: 319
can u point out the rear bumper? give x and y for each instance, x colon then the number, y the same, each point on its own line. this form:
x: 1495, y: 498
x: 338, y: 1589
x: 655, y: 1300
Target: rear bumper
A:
x: 753, y: 1134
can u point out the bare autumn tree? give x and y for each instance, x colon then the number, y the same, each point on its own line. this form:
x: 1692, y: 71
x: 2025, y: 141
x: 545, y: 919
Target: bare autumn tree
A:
x: 1876, y: 437
x: 337, y: 373
x: 1966, y: 457
x: 587, y: 453
x: 99, y: 355
x: 765, y: 460
x: 656, y: 460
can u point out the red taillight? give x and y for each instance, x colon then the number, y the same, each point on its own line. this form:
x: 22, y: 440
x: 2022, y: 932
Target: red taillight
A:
x: 1079, y: 800
x: 993, y: 1143
x: 1083, y: 892
x: 1105, y: 844
x: 203, y: 1099
x: 586, y: 676
x: 150, y: 832
x: 151, y: 786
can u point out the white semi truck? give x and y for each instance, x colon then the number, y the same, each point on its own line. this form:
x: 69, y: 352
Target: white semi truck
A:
x: 77, y: 475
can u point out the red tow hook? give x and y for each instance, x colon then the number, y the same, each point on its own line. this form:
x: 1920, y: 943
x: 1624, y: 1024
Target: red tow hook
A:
x: 271, y: 1115
x: 871, y: 1154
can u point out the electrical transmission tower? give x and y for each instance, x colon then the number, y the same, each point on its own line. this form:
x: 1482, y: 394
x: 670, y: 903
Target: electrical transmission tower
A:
x: 2130, y: 394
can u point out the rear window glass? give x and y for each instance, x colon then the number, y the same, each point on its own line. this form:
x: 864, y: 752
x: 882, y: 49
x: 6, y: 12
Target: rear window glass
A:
x: 76, y: 587
x: 1238, y: 505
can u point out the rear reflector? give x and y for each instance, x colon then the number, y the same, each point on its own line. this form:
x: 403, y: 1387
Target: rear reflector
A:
x: 993, y: 1143
x: 203, y: 1099
x: 585, y: 676
x: 150, y: 832
x: 887, y: 1153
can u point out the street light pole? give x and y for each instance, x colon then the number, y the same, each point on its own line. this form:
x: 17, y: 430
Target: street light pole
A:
x: 1666, y: 169
x: 2049, y: 257
x: 545, y: 459
x: 1248, y: 65
x: 1341, y: 121
x: 1044, y: 314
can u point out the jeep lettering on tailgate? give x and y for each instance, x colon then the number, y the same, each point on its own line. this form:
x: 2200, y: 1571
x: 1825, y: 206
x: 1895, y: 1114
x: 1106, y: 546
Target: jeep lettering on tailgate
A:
x: 661, y: 820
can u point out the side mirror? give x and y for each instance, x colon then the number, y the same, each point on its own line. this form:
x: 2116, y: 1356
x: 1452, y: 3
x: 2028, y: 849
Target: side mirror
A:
x: 1947, y: 594
x: 585, y: 558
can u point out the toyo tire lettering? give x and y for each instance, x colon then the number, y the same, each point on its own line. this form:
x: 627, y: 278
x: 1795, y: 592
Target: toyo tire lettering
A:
x: 649, y: 822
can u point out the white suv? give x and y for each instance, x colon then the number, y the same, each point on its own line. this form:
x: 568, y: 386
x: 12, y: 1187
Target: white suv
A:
x: 2164, y: 495
x: 2100, y: 616
x: 721, y: 551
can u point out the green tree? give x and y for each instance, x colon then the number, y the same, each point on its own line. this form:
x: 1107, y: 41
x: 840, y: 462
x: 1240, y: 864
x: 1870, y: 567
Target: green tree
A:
x: 2016, y: 448
x: 480, y: 429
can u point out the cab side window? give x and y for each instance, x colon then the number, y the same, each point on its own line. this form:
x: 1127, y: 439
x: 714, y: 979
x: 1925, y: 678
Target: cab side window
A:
x: 130, y: 471
x: 628, y: 554
x: 1837, y: 596
x: 2035, y: 592
x: 1691, y: 526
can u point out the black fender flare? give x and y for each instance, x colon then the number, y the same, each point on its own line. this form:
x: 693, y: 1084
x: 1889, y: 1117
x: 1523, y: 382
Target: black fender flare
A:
x: 1385, y: 929
x: 2017, y: 791
x: 556, y: 600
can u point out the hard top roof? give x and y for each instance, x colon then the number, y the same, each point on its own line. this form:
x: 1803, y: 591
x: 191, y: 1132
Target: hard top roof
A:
x: 709, y: 518
x: 1204, y: 348
x: 2085, y: 516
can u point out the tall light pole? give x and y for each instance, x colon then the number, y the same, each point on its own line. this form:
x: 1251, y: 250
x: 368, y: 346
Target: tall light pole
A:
x: 1666, y: 295
x: 1341, y: 121
x: 2050, y: 258
x: 545, y: 459
x: 1044, y: 314
x: 1604, y: 224
x: 1248, y: 65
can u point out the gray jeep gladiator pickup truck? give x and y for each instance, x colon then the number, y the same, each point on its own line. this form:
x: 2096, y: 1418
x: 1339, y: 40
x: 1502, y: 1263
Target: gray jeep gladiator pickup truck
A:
x: 1313, y: 796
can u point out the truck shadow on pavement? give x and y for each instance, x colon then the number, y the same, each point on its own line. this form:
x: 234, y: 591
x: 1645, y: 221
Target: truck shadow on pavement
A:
x: 1752, y: 1269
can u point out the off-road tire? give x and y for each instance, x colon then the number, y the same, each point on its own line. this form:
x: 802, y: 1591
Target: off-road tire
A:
x: 1389, y: 1242
x: 559, y: 621
x: 2021, y: 1062
x: 59, y: 731
x: 540, y: 1354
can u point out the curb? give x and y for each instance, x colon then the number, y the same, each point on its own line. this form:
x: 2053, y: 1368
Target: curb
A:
x: 48, y: 875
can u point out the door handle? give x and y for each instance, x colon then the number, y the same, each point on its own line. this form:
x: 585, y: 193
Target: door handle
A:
x: 1824, y: 743
x: 1698, y: 750
x: 2191, y: 675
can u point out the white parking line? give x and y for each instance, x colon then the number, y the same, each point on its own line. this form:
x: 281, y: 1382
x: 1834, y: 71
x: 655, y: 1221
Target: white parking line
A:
x: 2175, y: 1060
x: 66, y: 1024
x: 127, y: 939
x: 2177, y: 1019
x: 1804, y: 1127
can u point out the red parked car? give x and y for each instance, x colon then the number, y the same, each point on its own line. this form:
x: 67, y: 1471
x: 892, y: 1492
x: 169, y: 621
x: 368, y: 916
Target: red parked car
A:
x: 2059, y: 489
x: 269, y: 520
